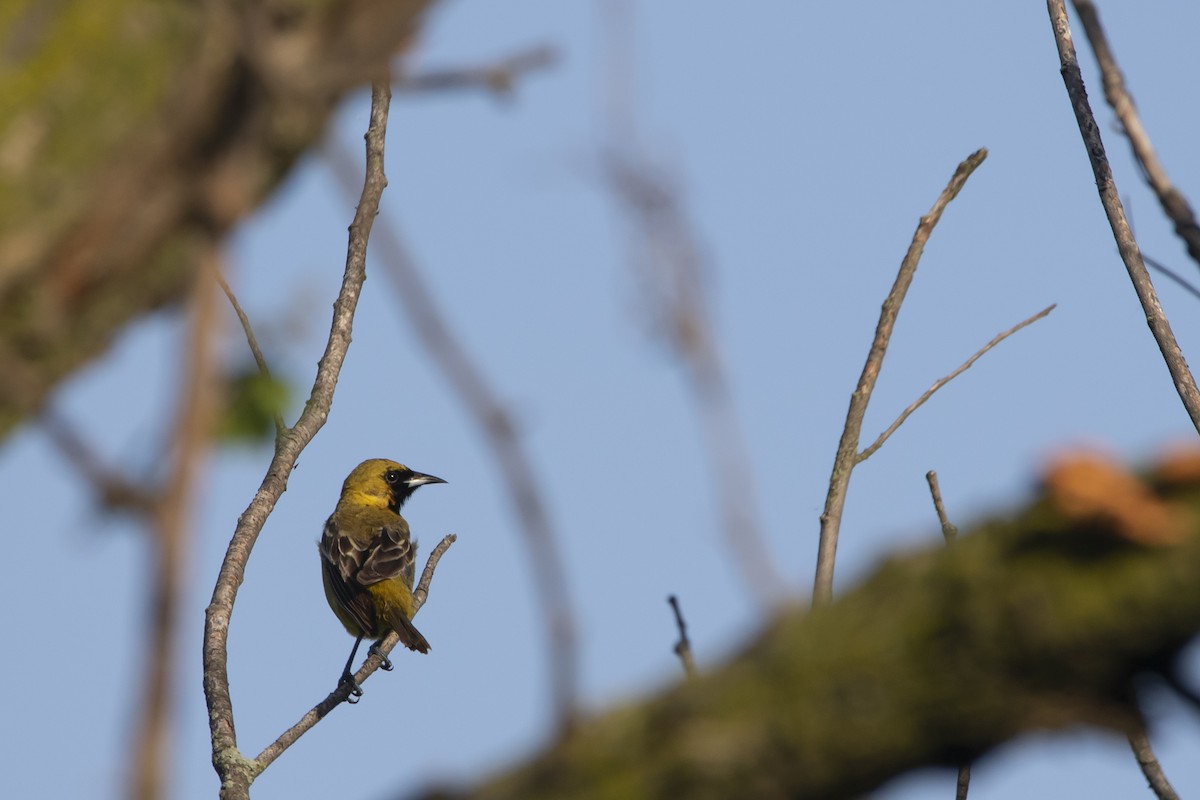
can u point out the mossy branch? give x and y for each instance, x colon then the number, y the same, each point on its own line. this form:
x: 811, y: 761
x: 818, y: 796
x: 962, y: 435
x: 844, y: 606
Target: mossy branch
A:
x: 1038, y: 621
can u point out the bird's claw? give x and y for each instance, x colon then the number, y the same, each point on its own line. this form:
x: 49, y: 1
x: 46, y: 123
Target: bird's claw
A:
x: 385, y: 663
x: 355, y: 690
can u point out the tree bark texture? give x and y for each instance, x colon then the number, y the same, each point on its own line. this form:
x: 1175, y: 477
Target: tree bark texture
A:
x: 133, y: 133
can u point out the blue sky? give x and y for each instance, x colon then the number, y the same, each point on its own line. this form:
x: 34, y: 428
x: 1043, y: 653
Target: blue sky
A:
x: 807, y: 140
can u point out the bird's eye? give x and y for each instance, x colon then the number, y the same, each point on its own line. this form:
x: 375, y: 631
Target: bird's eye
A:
x: 392, y: 476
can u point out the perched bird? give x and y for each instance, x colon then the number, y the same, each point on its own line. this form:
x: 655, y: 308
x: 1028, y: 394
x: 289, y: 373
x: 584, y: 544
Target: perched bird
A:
x: 368, y: 559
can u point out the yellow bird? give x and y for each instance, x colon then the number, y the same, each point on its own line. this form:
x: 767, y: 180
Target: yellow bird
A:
x: 368, y: 559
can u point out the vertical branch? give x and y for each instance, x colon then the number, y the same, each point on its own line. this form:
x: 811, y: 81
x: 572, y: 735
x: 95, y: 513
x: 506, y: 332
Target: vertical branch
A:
x: 847, y: 452
x: 1175, y: 206
x: 949, y: 532
x: 942, y: 381
x: 1173, y: 203
x: 235, y: 770
x: 169, y: 527
x: 683, y: 648
x: 503, y: 439
x: 1156, y: 318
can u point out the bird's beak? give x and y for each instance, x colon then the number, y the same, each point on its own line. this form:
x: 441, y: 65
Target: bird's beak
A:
x: 420, y: 479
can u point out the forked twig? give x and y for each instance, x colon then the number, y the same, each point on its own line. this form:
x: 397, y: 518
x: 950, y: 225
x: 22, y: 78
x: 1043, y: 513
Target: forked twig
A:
x: 235, y: 771
x: 940, y: 382
x: 339, y: 695
x: 847, y: 452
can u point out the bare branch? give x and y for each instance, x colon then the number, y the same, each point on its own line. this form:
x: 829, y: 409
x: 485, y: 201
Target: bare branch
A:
x: 369, y: 667
x: 963, y: 785
x: 503, y: 438
x: 940, y: 382
x: 1156, y: 318
x: 1177, y: 208
x: 498, y: 77
x: 683, y: 648
x: 949, y: 532
x: 235, y: 770
x: 1173, y: 203
x: 421, y: 593
x: 1140, y: 744
x: 847, y: 452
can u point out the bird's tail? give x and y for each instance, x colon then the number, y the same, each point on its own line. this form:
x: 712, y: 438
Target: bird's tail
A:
x: 410, y: 637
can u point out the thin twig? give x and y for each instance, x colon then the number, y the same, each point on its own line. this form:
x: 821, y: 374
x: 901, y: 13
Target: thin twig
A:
x: 949, y: 532
x: 683, y: 648
x: 847, y: 452
x: 1140, y: 744
x: 1179, y: 280
x: 421, y: 593
x: 498, y: 77
x: 339, y: 695
x: 503, y: 438
x: 1173, y: 202
x: 940, y: 382
x: 198, y: 404
x: 259, y: 359
x: 963, y: 785
x: 1156, y: 318
x: 236, y: 772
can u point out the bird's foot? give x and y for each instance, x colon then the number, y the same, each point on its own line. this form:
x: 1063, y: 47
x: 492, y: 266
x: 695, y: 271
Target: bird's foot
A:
x: 355, y: 690
x: 385, y: 663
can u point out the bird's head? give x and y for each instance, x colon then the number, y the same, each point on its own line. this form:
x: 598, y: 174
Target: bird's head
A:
x: 384, y: 483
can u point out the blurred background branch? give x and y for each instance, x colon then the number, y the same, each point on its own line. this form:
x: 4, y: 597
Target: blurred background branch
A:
x: 148, y: 142
x: 498, y: 77
x: 668, y: 265
x: 1174, y: 204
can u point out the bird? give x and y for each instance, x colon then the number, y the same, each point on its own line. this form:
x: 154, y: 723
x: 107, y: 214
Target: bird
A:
x: 368, y: 559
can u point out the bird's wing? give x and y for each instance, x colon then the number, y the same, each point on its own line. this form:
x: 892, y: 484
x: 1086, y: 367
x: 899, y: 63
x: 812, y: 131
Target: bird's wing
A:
x: 342, y: 558
x: 391, y: 554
